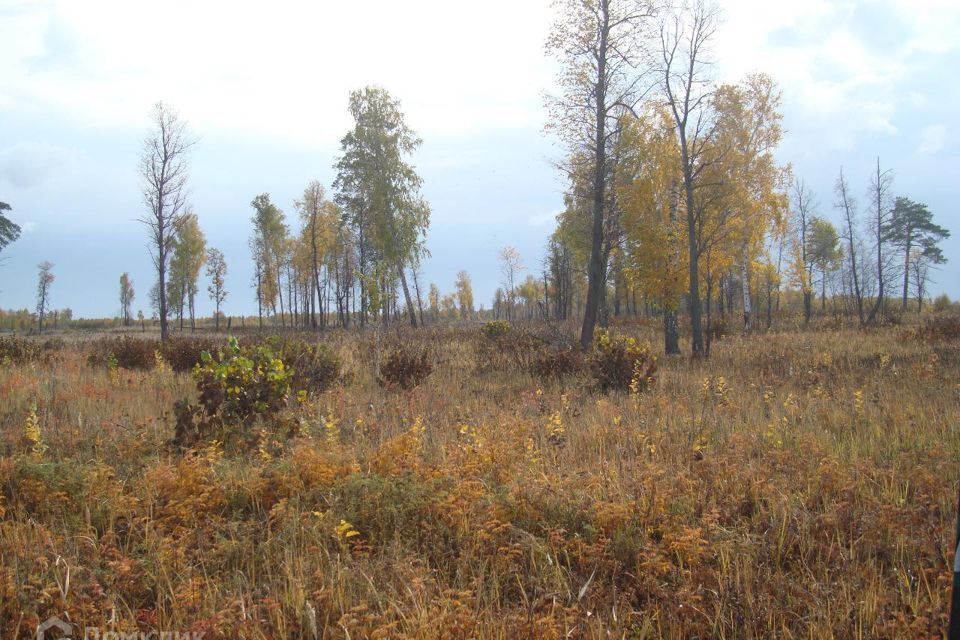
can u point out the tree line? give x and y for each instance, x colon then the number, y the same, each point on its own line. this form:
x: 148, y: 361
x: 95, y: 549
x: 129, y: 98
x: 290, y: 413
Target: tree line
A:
x: 676, y: 201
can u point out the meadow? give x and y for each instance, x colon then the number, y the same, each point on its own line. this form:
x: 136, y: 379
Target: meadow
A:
x: 483, y: 482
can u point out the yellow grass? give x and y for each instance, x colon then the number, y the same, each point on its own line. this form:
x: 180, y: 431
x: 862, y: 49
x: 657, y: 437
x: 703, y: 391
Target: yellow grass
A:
x: 796, y: 485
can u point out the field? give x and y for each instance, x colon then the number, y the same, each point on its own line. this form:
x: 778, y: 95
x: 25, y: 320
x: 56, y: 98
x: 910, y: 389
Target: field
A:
x: 796, y: 484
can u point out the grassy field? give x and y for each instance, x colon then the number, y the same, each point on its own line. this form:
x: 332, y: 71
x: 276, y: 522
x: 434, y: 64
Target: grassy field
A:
x: 794, y: 485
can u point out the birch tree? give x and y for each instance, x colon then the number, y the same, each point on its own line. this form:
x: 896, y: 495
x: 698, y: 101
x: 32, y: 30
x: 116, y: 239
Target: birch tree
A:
x: 163, y: 172
x: 599, y: 46
x: 217, y: 272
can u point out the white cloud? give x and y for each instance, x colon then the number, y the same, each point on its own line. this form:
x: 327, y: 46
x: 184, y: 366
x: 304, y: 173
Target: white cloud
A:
x: 28, y: 164
x: 281, y: 69
x: 932, y: 139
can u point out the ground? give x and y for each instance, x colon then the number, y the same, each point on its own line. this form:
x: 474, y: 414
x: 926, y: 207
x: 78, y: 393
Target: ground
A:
x: 796, y: 484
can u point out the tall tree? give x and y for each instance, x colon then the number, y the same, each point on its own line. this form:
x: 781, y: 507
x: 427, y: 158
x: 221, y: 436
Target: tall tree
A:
x: 803, y: 208
x: 912, y: 226
x: 648, y: 187
x: 217, y: 272
x: 824, y: 252
x: 881, y: 183
x: 848, y: 208
x: 189, y: 254
x: 464, y: 288
x: 510, y: 266
x: 379, y: 191
x: 126, y: 299
x: 44, y: 280
x: 269, y: 247
x: 319, y: 218
x: 163, y: 171
x: 598, y: 43
x: 683, y: 64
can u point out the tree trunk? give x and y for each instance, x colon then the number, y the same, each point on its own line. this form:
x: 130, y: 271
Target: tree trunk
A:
x: 595, y: 273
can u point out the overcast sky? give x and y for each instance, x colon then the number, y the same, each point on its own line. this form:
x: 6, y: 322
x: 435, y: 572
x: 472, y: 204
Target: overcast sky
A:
x: 264, y: 86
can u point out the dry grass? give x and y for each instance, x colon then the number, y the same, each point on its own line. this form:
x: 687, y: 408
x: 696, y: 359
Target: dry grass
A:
x: 797, y: 485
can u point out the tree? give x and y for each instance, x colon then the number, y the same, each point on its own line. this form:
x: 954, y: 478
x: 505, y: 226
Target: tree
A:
x: 163, y: 171
x: 803, y: 207
x: 44, y: 280
x: 510, y: 266
x: 319, y: 218
x: 379, y: 191
x: 126, y: 299
x: 880, y: 185
x: 847, y: 207
x: 648, y: 188
x: 598, y: 43
x: 464, y: 294
x: 189, y: 254
x: 911, y: 226
x: 269, y: 247
x: 823, y: 251
x: 434, y: 299
x: 9, y: 231
x: 217, y: 272
x: 682, y: 68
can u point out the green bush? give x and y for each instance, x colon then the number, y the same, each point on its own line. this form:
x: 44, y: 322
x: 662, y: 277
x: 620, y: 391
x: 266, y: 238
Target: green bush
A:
x: 621, y: 363
x: 495, y: 329
x: 238, y: 388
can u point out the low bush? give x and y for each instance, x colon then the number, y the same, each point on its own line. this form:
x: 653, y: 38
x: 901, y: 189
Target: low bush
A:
x: 495, y: 329
x: 183, y: 353
x: 621, y: 363
x: 124, y: 351
x: 939, y: 328
x: 315, y: 367
x: 238, y: 389
x: 556, y: 363
x: 15, y: 350
x: 405, y: 367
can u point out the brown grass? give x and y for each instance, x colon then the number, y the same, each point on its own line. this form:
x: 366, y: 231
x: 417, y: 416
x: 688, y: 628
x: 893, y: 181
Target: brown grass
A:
x: 797, y: 485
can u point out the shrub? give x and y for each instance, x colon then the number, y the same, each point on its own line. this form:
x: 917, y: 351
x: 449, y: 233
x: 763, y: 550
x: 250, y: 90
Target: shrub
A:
x: 495, y: 329
x: 556, y: 363
x: 939, y: 328
x: 237, y: 389
x: 315, y: 367
x: 183, y: 354
x: 620, y: 363
x: 405, y: 367
x: 124, y: 351
x: 941, y: 303
x: 14, y: 350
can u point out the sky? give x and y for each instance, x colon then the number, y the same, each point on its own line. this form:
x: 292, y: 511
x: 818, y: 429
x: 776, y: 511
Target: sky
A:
x: 264, y: 88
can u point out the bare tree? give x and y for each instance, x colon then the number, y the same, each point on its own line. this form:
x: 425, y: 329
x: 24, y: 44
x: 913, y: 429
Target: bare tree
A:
x: 598, y: 42
x: 683, y: 64
x: 510, y: 265
x: 804, y: 205
x: 44, y: 280
x: 880, y: 185
x: 163, y: 171
x: 847, y: 207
